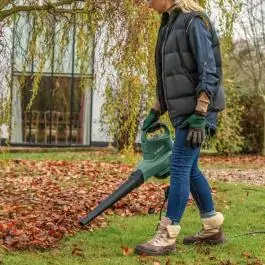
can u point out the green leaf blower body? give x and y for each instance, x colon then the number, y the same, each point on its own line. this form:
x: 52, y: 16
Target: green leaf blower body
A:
x: 156, y: 162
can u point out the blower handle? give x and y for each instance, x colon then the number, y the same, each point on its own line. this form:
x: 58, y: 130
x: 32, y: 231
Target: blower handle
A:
x: 155, y: 126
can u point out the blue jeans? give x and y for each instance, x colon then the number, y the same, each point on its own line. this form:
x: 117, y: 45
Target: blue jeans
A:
x: 186, y: 177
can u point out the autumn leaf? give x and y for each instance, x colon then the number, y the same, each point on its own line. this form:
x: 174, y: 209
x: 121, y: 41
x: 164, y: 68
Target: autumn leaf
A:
x: 126, y: 251
x: 246, y: 254
x: 78, y: 252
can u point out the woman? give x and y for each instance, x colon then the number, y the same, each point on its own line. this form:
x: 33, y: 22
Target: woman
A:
x: 189, y: 75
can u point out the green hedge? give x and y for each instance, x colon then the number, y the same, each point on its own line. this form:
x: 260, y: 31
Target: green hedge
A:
x: 241, y: 125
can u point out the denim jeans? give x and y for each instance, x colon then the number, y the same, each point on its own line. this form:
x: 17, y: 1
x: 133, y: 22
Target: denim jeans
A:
x: 186, y: 177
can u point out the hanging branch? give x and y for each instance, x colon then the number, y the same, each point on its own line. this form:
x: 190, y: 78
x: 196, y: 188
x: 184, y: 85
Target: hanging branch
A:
x: 122, y: 34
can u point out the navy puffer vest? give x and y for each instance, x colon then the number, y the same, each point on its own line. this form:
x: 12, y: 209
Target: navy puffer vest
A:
x: 176, y: 68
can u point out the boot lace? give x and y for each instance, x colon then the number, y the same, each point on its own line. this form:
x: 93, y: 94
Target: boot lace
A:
x: 158, y: 236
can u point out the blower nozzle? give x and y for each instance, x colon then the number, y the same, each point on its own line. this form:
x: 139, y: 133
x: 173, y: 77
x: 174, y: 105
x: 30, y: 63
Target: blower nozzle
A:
x: 135, y: 180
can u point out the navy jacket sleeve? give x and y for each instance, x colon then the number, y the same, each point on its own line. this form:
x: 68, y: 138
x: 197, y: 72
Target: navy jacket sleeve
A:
x: 200, y: 39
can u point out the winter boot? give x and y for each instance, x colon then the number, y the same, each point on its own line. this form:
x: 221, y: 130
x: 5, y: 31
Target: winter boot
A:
x: 164, y: 241
x: 211, y: 232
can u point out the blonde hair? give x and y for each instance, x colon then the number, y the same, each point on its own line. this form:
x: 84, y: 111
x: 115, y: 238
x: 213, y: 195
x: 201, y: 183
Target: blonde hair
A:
x: 187, y: 6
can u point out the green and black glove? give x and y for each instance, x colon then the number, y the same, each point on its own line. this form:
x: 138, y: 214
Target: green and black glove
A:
x: 152, y: 117
x: 196, y: 125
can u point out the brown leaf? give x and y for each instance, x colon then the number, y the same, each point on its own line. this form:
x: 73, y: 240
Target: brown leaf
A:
x: 78, y: 252
x: 10, y: 241
x: 126, y: 251
x: 255, y: 262
x: 246, y: 254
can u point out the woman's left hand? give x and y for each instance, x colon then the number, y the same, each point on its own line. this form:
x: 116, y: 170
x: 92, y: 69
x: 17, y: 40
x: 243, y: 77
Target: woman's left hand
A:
x: 196, y: 125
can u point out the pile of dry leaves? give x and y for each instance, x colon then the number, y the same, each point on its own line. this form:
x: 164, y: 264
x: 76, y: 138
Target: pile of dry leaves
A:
x: 41, y: 201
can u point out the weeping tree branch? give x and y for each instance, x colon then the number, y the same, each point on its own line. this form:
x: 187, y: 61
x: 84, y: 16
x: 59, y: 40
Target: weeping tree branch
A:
x: 4, y: 3
x: 47, y: 6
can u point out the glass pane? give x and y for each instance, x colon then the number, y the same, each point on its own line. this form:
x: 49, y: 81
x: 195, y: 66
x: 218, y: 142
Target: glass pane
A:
x: 61, y: 109
x: 83, y: 48
x: 63, y: 47
x: 23, y: 27
x: 33, y: 118
x: 67, y: 100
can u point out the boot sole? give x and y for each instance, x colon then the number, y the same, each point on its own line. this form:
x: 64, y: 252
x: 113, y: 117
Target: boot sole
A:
x: 221, y: 240
x: 163, y: 252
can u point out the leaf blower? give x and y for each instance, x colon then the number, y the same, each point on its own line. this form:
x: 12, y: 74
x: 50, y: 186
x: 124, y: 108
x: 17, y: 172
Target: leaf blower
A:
x: 156, y: 146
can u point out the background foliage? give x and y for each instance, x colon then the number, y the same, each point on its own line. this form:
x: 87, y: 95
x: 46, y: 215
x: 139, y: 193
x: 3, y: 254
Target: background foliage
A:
x: 124, y: 35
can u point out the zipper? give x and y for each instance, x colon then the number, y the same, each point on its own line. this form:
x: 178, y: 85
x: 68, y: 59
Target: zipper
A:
x: 163, y: 63
x: 158, y: 92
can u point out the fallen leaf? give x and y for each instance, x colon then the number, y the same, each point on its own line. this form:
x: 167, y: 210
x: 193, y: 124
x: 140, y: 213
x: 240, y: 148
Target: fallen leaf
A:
x: 126, y: 251
x: 246, y: 254
x: 78, y: 252
x: 212, y: 258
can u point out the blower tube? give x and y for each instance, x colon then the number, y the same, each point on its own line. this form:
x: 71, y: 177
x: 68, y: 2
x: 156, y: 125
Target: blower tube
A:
x: 135, y: 180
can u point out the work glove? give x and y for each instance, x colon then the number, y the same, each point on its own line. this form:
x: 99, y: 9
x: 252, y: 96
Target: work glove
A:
x: 196, y: 134
x: 152, y: 117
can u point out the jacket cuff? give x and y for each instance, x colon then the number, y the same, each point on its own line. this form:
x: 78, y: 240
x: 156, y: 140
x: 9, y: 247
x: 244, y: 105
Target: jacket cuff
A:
x: 203, y: 102
x: 202, y: 89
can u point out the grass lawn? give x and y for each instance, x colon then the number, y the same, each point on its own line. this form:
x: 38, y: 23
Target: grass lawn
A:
x: 244, y: 162
x: 242, y: 205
